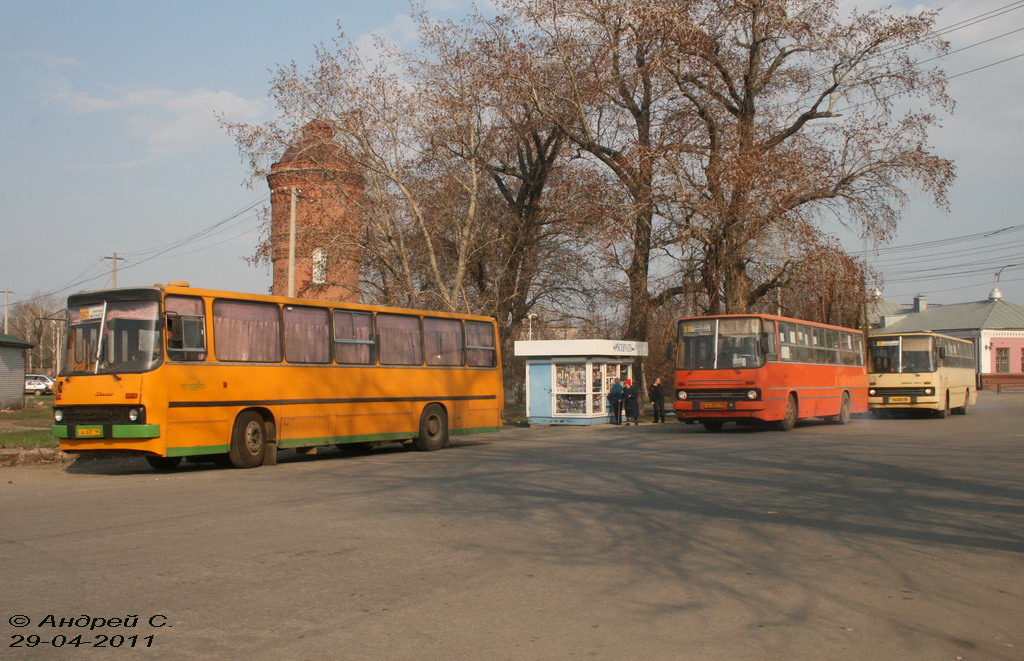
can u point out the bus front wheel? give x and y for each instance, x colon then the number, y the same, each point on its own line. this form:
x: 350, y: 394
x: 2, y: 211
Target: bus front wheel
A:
x: 962, y: 410
x: 944, y: 411
x: 788, y: 422
x: 433, y: 429
x: 248, y: 440
x: 712, y: 425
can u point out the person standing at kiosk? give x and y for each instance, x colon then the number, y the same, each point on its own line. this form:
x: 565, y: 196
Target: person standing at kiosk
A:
x: 615, y: 402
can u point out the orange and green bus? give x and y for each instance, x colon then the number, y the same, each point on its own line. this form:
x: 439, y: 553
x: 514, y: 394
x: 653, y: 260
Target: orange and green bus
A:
x: 921, y: 371
x: 169, y: 372
x: 766, y: 368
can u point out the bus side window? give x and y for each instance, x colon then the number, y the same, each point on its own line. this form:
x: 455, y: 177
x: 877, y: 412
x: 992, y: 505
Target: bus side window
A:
x: 186, y: 339
x: 185, y: 328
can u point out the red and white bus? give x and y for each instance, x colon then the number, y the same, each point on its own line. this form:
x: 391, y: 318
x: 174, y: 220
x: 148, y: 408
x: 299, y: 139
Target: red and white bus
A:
x: 765, y: 368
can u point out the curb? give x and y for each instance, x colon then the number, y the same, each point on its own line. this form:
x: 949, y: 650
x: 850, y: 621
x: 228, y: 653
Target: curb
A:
x: 18, y: 457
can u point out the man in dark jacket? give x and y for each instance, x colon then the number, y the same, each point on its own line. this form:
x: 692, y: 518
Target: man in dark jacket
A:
x: 658, y: 400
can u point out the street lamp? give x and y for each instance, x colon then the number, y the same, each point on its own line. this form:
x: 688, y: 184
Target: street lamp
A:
x: 529, y: 327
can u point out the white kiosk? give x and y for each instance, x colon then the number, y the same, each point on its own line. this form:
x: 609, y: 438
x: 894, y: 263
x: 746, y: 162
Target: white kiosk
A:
x: 567, y: 381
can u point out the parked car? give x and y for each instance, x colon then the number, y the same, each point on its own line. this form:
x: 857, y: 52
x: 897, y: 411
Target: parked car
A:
x: 50, y: 383
x: 36, y: 387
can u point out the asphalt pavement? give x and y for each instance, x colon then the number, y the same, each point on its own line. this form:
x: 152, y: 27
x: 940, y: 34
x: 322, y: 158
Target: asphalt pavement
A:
x: 881, y: 539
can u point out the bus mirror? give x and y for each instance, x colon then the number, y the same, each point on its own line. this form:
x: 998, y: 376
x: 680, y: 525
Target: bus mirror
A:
x: 942, y: 352
x: 670, y: 351
x: 764, y: 344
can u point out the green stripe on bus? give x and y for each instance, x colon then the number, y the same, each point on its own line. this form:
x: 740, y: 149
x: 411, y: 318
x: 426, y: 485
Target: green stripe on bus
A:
x: 135, y: 431
x: 202, y: 449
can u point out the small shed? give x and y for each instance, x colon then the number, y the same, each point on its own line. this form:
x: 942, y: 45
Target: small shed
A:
x: 567, y: 381
x: 12, y: 371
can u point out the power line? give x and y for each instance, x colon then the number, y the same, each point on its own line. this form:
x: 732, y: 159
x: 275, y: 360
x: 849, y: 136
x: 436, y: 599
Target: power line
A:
x: 154, y: 252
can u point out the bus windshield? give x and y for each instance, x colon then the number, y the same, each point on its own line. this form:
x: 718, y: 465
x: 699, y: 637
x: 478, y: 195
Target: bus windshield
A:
x: 123, y: 335
x: 899, y: 355
x: 706, y: 344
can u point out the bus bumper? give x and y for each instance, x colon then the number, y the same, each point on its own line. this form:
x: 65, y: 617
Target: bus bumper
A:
x: 903, y: 402
x: 724, y: 411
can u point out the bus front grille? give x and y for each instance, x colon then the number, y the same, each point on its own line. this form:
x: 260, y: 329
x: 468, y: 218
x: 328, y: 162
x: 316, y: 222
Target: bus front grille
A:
x: 100, y: 415
x: 902, y: 392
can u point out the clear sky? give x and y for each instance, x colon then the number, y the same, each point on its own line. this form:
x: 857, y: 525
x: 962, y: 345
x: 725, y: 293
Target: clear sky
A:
x: 109, y: 142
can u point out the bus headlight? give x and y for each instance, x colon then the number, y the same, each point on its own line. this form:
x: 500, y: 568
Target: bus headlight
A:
x: 751, y: 395
x: 133, y: 415
x: 681, y: 394
x: 872, y: 392
x: 58, y: 415
x: 929, y: 391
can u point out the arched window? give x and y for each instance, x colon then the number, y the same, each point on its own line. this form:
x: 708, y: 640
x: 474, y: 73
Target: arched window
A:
x: 319, y: 266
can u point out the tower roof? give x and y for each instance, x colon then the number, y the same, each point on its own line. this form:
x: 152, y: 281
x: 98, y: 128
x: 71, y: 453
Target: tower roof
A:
x: 317, y: 145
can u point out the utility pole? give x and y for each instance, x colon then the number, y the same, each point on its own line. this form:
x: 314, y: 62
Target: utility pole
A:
x: 114, y: 259
x: 7, y: 292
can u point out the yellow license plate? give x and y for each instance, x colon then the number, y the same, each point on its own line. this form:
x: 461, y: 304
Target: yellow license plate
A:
x: 899, y: 400
x: 94, y: 431
x: 714, y: 406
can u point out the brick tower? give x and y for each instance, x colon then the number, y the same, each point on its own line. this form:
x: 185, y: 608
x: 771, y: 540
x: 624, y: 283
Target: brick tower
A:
x: 319, y: 177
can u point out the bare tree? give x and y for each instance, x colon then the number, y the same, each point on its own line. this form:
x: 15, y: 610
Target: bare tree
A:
x: 798, y: 124
x: 38, y: 320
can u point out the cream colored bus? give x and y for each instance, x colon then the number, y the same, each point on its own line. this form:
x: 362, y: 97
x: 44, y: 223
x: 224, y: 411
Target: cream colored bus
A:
x: 926, y: 371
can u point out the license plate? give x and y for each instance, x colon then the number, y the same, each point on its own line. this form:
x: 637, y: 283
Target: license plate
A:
x: 714, y: 405
x: 899, y: 400
x: 89, y: 431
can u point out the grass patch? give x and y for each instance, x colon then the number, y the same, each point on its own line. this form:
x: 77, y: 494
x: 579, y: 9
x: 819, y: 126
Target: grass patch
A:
x: 33, y: 438
x: 30, y: 427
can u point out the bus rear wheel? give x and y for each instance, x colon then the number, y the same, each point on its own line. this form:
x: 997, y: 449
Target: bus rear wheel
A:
x: 788, y: 422
x: 248, y: 440
x: 433, y: 429
x: 163, y: 463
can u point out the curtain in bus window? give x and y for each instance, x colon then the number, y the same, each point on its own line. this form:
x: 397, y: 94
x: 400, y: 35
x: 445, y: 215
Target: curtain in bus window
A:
x: 738, y: 343
x: 131, y: 339
x: 307, y: 335
x: 917, y: 354
x: 245, y: 331
x: 399, y: 337
x: 442, y: 341
x: 353, y: 337
x: 480, y: 346
x: 183, y: 305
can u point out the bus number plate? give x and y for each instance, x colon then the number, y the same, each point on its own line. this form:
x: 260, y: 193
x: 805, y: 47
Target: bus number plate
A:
x: 899, y: 400
x: 89, y: 431
x: 714, y: 405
